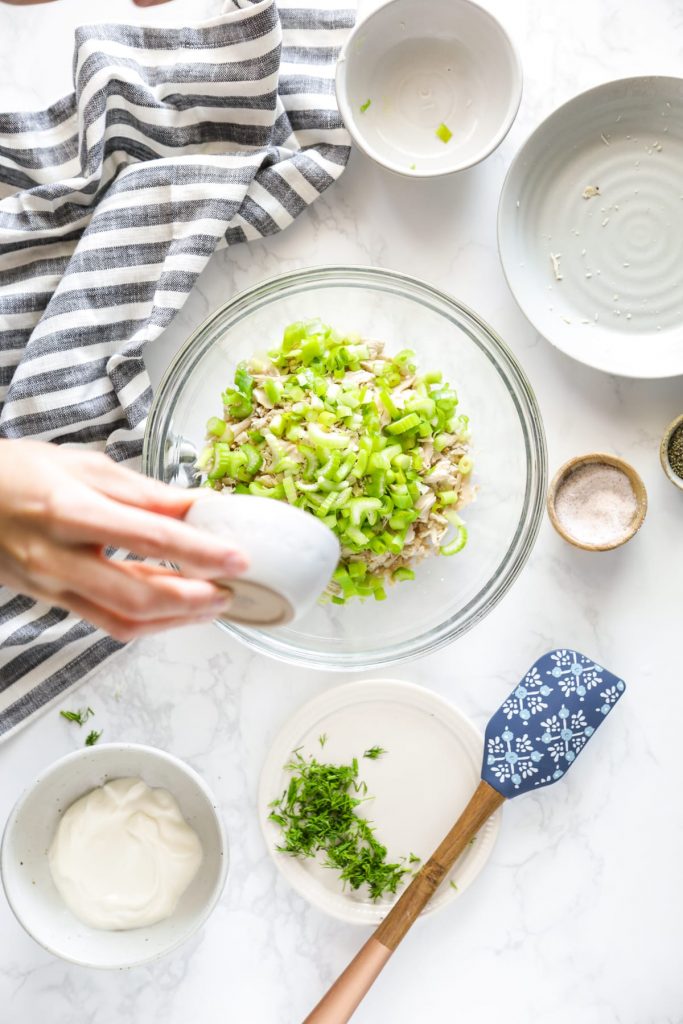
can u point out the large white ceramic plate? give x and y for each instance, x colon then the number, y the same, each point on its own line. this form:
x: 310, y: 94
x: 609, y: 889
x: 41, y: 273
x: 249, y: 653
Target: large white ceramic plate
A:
x: 619, y: 304
x: 419, y: 787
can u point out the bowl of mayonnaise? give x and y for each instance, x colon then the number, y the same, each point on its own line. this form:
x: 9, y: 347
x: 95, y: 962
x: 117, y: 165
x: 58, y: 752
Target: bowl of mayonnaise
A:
x: 114, y: 856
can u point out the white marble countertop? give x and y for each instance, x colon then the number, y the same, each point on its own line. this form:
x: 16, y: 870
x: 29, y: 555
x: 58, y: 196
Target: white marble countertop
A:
x: 578, y: 915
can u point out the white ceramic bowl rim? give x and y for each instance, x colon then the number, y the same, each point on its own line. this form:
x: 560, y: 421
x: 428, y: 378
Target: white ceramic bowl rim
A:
x: 159, y: 755
x: 351, y: 121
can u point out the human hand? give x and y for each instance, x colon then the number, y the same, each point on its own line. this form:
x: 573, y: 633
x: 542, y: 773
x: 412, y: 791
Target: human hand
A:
x: 60, y: 507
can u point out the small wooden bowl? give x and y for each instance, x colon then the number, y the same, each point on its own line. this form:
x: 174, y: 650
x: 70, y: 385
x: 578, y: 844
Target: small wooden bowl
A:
x: 664, y: 452
x: 606, y: 460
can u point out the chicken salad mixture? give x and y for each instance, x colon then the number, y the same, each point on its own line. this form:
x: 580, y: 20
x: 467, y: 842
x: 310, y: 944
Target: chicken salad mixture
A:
x: 361, y: 439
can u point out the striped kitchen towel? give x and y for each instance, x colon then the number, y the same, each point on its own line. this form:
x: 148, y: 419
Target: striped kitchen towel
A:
x: 175, y: 141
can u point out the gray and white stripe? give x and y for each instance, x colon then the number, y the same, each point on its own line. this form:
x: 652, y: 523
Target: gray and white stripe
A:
x: 175, y: 142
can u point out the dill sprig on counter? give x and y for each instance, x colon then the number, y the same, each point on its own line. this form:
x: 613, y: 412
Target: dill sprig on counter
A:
x: 92, y: 737
x: 80, y: 717
x: 374, y: 752
x: 317, y: 813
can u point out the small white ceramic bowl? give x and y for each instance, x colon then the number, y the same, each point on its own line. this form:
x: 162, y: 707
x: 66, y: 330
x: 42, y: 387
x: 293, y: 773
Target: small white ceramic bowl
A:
x: 32, y: 823
x: 292, y: 555
x: 422, y: 65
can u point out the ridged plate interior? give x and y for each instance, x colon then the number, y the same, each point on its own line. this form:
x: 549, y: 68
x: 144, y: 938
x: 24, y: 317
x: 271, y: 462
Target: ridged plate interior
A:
x: 602, y: 277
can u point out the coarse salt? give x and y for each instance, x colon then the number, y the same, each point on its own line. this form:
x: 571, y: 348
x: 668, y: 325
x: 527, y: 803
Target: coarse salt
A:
x: 596, y: 504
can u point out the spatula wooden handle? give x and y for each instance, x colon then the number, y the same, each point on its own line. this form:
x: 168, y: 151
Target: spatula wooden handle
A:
x: 345, y: 995
x: 485, y: 800
x: 342, y: 1000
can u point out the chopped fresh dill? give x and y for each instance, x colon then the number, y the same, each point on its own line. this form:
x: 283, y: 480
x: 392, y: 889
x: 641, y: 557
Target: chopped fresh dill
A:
x: 374, y: 752
x: 317, y: 814
x: 92, y: 737
x: 81, y: 716
x: 364, y: 106
x: 322, y: 739
x: 444, y: 132
x: 414, y: 859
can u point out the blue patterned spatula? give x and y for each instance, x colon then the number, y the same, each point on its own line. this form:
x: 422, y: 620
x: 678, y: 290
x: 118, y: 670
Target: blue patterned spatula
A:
x: 531, y: 741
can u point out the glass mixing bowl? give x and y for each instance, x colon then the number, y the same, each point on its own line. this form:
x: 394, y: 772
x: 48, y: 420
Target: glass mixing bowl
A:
x: 449, y: 594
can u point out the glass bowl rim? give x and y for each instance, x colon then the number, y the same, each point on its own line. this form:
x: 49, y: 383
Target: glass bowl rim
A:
x: 517, y: 385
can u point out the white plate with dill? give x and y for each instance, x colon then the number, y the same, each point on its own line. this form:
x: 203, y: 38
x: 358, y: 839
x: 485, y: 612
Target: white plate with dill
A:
x: 590, y: 227
x: 360, y: 786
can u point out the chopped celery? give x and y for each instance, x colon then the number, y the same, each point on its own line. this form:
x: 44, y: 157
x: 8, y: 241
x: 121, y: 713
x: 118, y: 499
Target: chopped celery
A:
x: 360, y: 507
x: 215, y: 427
x: 332, y: 424
x: 254, y: 459
x: 406, y: 423
x: 355, y: 535
x: 455, y: 545
x: 326, y: 438
x: 273, y: 390
x: 444, y: 133
x: 221, y: 460
x: 290, y: 490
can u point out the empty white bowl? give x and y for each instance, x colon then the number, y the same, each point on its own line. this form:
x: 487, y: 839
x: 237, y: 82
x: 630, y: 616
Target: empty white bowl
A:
x: 32, y: 823
x: 422, y: 65
x: 590, y: 227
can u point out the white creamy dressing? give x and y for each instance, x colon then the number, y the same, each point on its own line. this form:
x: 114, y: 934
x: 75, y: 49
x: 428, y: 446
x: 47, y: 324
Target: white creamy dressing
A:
x: 123, y: 855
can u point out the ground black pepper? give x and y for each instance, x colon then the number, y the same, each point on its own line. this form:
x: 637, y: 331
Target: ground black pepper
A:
x: 675, y: 451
